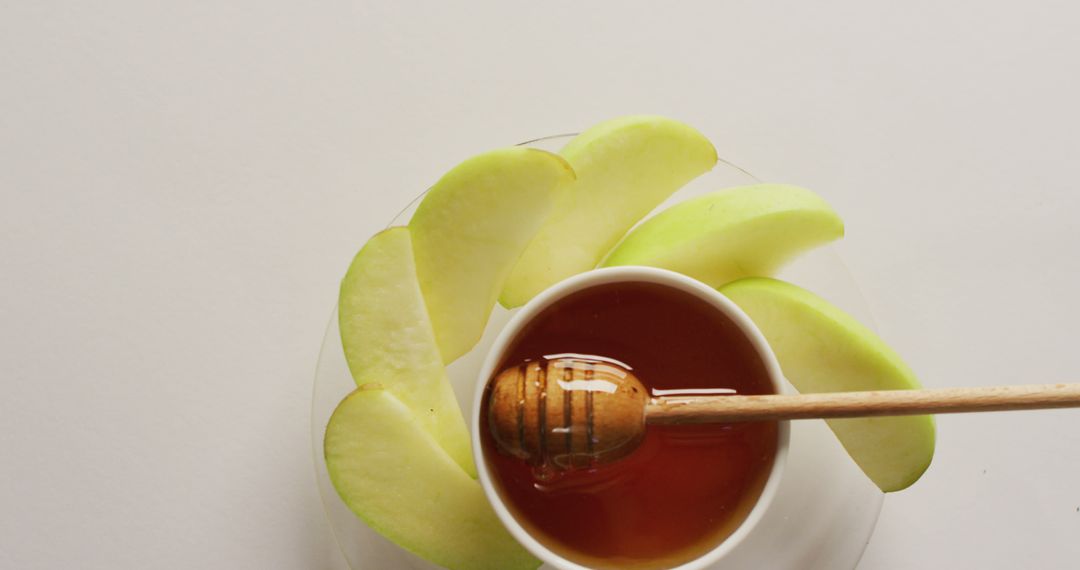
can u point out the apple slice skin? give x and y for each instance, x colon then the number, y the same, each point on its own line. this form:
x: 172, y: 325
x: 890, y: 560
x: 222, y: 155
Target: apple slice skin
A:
x: 394, y: 476
x: 822, y: 349
x: 470, y: 230
x: 625, y: 167
x: 388, y: 338
x: 733, y: 233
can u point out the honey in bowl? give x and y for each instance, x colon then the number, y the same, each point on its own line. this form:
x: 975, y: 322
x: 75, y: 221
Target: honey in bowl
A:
x: 684, y: 488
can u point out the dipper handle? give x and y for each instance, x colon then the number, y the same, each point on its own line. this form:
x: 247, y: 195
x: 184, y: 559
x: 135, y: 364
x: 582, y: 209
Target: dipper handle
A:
x: 711, y: 409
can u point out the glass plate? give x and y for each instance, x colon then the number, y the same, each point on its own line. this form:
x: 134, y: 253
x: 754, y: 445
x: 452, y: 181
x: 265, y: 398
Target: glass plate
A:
x: 822, y: 516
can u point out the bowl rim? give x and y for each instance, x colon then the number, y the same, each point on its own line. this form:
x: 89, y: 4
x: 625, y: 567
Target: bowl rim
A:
x: 617, y: 275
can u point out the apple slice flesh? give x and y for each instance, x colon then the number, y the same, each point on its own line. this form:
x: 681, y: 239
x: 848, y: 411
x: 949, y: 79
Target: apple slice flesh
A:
x: 823, y: 349
x: 470, y: 230
x: 733, y: 233
x: 625, y: 167
x: 397, y: 478
x: 388, y: 339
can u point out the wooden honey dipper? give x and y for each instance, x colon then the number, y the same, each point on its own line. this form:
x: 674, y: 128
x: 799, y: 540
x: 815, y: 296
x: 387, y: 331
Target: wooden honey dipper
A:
x: 576, y: 411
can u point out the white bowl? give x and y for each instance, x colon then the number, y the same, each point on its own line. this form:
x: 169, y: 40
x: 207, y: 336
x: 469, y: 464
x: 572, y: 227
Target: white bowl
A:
x: 621, y: 275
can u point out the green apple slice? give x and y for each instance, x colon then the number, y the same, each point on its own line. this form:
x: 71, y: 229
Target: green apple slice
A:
x: 732, y: 233
x: 399, y: 480
x: 470, y: 230
x: 823, y: 349
x: 388, y: 339
x: 625, y: 167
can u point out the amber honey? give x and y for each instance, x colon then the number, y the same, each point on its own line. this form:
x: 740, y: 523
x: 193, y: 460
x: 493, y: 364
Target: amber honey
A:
x: 686, y: 488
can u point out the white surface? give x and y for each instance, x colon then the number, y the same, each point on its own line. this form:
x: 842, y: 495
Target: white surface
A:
x: 183, y: 183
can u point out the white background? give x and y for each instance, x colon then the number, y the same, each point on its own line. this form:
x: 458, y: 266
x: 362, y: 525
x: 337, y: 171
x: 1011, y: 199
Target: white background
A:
x: 182, y: 184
